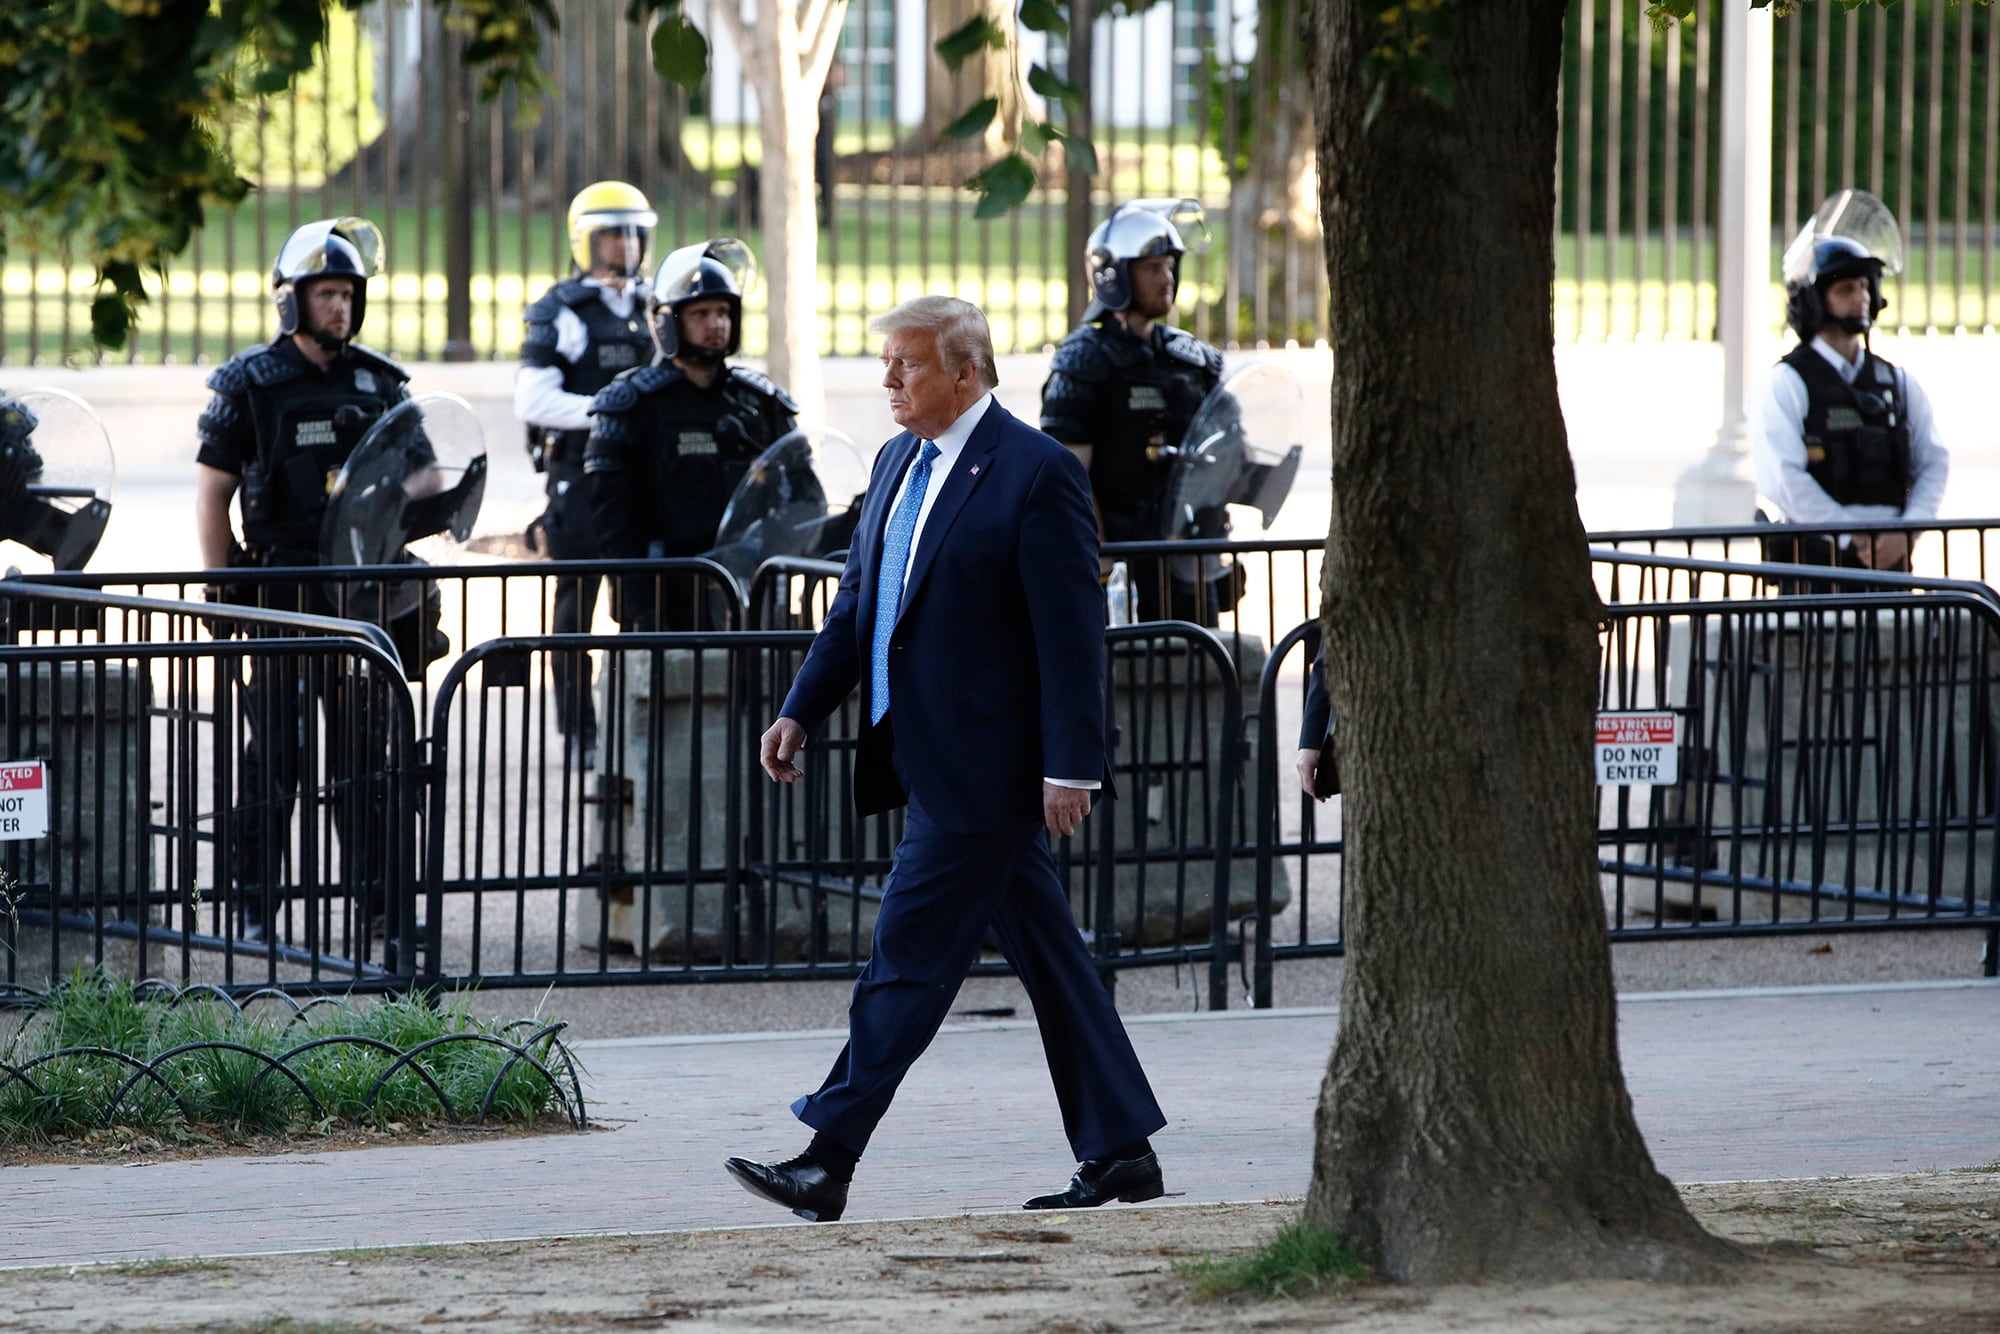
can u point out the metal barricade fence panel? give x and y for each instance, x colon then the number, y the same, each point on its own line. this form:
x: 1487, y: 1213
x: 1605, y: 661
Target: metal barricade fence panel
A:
x: 1292, y: 832
x: 192, y: 781
x: 1967, y: 549
x: 673, y: 858
x: 1837, y: 767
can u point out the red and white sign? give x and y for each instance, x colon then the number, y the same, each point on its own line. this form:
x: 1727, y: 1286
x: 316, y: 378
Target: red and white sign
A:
x: 1638, y: 748
x: 24, y: 800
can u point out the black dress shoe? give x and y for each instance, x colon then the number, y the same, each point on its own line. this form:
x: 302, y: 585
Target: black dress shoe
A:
x: 1102, y: 1180
x: 800, y: 1184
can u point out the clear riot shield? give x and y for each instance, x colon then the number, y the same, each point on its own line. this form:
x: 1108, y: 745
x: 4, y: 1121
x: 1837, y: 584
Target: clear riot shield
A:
x: 802, y: 497
x: 408, y: 494
x: 1242, y: 448
x: 56, y: 472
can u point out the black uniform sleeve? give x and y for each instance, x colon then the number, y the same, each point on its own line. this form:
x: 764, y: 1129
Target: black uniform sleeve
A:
x: 612, y: 469
x: 1074, y: 392
x: 227, y: 437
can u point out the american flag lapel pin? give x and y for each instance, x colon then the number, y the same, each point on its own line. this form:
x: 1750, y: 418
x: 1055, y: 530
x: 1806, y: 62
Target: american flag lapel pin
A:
x: 975, y: 470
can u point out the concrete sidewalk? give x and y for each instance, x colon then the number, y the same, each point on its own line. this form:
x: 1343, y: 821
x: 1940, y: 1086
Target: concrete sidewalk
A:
x: 1728, y: 1086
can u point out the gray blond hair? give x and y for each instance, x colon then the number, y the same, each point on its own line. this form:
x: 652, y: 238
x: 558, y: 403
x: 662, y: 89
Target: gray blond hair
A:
x: 960, y: 326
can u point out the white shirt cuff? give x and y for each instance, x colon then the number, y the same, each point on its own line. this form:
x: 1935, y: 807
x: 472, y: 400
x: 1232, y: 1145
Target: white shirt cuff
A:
x: 1081, y: 784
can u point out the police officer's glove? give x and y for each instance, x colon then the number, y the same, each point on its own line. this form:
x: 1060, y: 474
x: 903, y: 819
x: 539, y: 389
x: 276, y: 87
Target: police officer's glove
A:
x: 448, y: 509
x: 19, y: 465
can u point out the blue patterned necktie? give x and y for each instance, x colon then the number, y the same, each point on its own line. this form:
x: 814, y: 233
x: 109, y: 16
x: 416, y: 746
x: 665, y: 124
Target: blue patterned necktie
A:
x: 889, y: 587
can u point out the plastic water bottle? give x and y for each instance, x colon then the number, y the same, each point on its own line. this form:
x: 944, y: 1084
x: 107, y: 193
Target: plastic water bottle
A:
x: 1119, y: 596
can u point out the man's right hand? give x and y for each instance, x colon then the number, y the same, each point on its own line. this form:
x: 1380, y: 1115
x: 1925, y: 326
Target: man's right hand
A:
x: 1308, y: 766
x: 780, y: 747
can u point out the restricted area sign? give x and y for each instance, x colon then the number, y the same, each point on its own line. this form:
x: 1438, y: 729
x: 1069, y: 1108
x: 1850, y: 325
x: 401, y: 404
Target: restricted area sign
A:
x: 24, y: 800
x: 1638, y: 748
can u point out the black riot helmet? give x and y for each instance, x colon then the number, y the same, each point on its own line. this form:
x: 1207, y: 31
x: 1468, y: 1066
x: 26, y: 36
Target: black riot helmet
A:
x: 718, y: 269
x: 330, y: 248
x: 1137, y: 229
x: 1852, y: 235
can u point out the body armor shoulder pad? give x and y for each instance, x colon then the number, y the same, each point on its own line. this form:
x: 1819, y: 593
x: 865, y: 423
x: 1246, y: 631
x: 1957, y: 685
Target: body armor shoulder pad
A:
x: 231, y: 377
x: 265, y: 367
x: 623, y: 393
x: 569, y: 293
x: 1186, y: 347
x: 1081, y: 356
x: 763, y: 384
x: 375, y: 361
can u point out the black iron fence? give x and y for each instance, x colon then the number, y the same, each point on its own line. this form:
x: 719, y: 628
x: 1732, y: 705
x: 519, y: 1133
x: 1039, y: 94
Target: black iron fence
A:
x: 669, y: 857
x: 235, y: 812
x: 1190, y: 98
x: 1838, y: 767
x: 1835, y: 770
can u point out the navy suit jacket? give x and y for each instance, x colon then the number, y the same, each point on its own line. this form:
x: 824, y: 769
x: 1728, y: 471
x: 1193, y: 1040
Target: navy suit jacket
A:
x: 996, y: 664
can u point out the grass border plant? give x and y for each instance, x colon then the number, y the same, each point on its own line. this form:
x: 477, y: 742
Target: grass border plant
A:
x: 98, y: 1053
x: 1299, y: 1260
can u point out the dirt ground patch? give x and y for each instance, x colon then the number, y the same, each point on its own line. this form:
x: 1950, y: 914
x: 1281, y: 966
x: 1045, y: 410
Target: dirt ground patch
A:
x: 177, y: 1142
x: 1833, y: 1256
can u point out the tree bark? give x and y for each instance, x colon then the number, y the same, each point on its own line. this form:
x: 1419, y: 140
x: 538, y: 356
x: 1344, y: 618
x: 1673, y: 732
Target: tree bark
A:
x: 1474, y: 1120
x: 991, y: 73
x: 786, y: 49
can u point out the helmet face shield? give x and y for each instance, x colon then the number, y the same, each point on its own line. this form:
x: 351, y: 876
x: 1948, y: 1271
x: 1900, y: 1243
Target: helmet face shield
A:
x: 348, y: 248
x: 618, y: 208
x: 1851, y: 235
x: 1138, y: 229
x: 719, y: 269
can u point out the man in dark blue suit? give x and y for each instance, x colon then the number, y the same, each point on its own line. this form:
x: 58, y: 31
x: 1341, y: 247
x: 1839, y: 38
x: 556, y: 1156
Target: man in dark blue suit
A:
x: 971, y: 617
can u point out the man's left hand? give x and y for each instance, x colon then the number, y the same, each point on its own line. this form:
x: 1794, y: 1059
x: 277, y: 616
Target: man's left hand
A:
x: 1889, y: 551
x: 1064, y: 808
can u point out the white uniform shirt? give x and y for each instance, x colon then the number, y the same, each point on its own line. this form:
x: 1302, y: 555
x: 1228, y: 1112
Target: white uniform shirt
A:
x: 1778, y: 450
x: 539, y: 396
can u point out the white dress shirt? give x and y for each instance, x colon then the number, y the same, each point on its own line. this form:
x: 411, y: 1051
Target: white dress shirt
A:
x: 539, y: 398
x: 950, y: 445
x: 1778, y: 450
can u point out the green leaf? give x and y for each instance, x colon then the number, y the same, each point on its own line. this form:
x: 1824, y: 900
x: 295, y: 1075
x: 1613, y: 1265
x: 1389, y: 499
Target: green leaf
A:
x: 1002, y: 186
x: 1037, y: 135
x: 1046, y: 16
x: 680, y: 52
x: 1041, y: 80
x: 1082, y: 153
x: 110, y: 320
x: 968, y: 40
x: 975, y: 120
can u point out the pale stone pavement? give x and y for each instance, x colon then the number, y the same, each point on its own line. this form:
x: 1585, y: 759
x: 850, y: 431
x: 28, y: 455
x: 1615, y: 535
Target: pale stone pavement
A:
x: 1727, y: 1086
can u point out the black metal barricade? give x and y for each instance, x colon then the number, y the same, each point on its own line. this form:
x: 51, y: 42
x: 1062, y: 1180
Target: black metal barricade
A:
x: 1302, y: 837
x: 1839, y: 767
x: 671, y: 858
x: 237, y: 813
x: 429, y: 612
x: 1966, y: 549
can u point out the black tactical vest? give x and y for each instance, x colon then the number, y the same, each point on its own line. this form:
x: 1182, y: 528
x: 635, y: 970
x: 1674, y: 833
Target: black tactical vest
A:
x: 685, y: 448
x: 617, y: 343
x: 1857, y: 436
x: 307, y: 421
x: 1144, y: 394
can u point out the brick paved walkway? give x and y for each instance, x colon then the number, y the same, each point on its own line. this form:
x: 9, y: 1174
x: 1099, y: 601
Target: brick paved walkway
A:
x: 1735, y: 1085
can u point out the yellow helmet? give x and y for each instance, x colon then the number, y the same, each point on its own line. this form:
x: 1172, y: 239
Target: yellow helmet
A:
x: 610, y: 206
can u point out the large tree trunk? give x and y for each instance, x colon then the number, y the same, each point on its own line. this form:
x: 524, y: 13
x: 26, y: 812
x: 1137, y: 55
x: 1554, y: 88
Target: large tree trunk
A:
x: 949, y: 93
x: 1474, y: 1120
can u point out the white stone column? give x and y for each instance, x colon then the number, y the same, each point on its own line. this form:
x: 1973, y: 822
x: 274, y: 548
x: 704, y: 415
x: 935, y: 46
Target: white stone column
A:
x: 1719, y: 489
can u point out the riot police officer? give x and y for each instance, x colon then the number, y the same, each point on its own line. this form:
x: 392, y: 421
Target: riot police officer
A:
x: 1840, y: 435
x: 282, y: 421
x: 1124, y: 386
x: 583, y: 332
x: 670, y: 441
x: 20, y: 464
